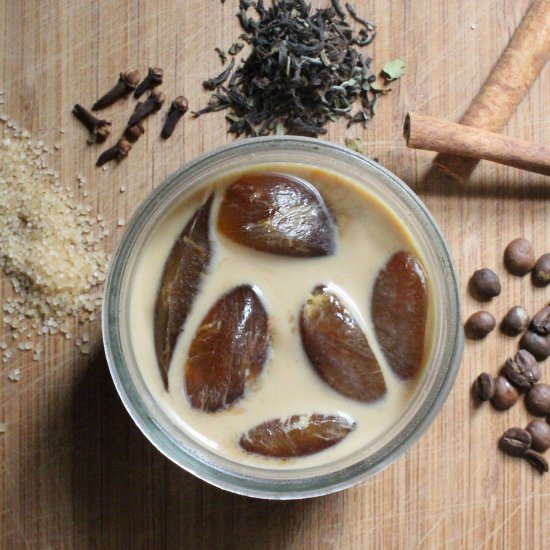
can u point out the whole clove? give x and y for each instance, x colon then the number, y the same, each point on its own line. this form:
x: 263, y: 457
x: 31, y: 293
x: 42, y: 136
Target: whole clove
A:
x: 117, y: 152
x: 177, y: 109
x: 152, y: 104
x: 99, y: 128
x: 127, y: 82
x: 154, y: 78
x: 133, y: 133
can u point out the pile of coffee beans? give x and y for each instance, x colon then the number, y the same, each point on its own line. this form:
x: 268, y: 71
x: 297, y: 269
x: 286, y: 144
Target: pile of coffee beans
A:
x: 484, y: 285
x: 520, y: 374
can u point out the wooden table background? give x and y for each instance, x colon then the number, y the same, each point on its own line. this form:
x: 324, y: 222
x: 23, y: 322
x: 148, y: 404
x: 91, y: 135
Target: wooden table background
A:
x: 75, y: 471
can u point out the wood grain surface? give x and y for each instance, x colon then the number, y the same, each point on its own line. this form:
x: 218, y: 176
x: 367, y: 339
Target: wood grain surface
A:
x: 76, y: 472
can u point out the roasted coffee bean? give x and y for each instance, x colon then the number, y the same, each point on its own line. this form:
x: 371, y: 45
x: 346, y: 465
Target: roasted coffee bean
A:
x: 541, y: 321
x: 537, y: 345
x: 541, y: 271
x: 522, y: 370
x: 485, y: 386
x: 515, y: 441
x: 505, y: 394
x: 479, y: 324
x: 540, y: 434
x: 537, y: 400
x: 519, y: 257
x: 515, y: 321
x: 537, y: 461
x: 484, y: 284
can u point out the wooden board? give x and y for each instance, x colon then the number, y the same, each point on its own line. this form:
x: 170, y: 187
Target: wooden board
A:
x: 75, y: 471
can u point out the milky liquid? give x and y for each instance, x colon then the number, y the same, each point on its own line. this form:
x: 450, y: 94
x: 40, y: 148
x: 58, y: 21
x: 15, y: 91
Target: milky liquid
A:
x: 368, y: 235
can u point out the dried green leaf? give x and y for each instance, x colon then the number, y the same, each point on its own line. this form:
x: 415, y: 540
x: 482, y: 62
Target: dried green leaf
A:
x: 393, y: 69
x: 355, y: 144
x: 379, y: 89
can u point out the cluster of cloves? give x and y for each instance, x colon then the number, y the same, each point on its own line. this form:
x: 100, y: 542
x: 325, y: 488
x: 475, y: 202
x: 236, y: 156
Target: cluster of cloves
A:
x: 128, y: 82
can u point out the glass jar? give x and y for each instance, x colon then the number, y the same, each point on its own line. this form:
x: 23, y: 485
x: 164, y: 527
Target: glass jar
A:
x: 439, y: 373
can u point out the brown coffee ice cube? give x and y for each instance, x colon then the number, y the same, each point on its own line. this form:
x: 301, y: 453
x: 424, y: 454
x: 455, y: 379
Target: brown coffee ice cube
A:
x: 297, y: 435
x: 338, y: 349
x: 278, y: 214
x: 228, y: 351
x: 180, y: 282
x: 399, y: 309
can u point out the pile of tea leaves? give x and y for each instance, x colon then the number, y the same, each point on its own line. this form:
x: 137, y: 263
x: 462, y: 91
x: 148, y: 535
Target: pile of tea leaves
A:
x: 304, y: 70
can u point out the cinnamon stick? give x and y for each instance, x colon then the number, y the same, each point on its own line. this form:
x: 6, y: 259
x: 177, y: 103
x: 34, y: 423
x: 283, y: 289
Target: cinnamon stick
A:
x: 433, y: 134
x: 508, y: 83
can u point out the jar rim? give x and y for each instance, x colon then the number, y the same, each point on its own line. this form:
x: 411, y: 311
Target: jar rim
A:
x: 291, y: 487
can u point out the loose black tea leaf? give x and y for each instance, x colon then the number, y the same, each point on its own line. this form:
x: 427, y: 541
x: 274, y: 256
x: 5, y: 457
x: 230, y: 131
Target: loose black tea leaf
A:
x: 338, y: 9
x: 222, y: 54
x: 303, y: 71
x: 368, y: 25
x: 217, y: 81
x: 235, y: 48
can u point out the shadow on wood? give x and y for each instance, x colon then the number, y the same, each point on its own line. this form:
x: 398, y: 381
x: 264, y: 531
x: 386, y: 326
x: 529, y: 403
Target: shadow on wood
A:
x: 126, y: 494
x: 434, y: 183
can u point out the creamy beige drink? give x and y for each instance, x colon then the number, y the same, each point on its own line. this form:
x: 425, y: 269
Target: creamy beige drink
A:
x: 296, y: 377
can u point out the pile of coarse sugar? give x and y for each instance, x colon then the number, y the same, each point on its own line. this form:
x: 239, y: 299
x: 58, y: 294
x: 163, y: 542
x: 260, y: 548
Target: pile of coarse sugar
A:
x: 49, y: 246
